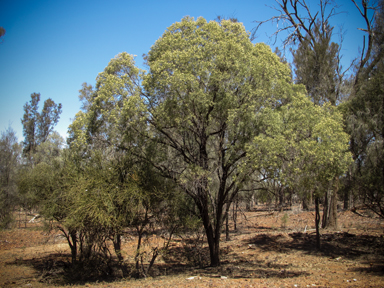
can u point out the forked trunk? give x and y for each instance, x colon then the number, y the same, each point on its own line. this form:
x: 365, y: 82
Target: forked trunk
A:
x: 213, y: 235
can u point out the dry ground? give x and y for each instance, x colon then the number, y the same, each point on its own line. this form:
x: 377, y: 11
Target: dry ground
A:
x: 267, y: 250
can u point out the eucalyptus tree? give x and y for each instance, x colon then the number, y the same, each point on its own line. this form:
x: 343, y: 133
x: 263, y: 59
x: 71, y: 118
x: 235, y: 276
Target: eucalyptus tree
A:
x: 206, y: 87
x: 365, y: 122
x: 196, y: 116
x: 37, y: 126
x: 10, y: 152
x: 304, y: 145
x: 36, y: 183
x: 316, y: 63
x: 318, y: 60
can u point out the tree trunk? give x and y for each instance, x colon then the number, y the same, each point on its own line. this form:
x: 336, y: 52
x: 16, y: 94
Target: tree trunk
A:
x: 347, y: 199
x: 281, y: 199
x: 310, y: 198
x: 137, y: 256
x: 117, y: 247
x: 248, y: 203
x: 305, y: 204
x: 348, y: 193
x: 214, y: 246
x: 73, y: 235
x: 227, y: 225
x: 234, y: 214
x: 317, y: 222
x: 330, y: 207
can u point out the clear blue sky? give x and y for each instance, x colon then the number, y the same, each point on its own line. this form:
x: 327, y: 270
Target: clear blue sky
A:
x: 51, y: 47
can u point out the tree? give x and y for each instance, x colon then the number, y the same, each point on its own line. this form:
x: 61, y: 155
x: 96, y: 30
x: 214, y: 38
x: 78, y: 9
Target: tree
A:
x: 36, y: 184
x: 365, y: 122
x: 29, y: 122
x: 318, y: 60
x: 198, y: 110
x: 9, y: 163
x: 38, y: 126
x: 85, y: 96
x: 50, y: 150
x: 138, y: 197
x: 304, y: 145
x: 195, y: 117
x: 316, y: 65
x: 369, y: 56
x: 206, y: 88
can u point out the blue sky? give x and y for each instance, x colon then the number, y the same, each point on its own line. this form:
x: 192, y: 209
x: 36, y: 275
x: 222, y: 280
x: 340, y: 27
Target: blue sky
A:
x: 51, y: 47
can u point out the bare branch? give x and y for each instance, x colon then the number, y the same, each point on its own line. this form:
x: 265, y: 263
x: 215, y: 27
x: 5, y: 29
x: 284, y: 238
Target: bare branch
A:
x: 296, y: 19
x: 367, y: 46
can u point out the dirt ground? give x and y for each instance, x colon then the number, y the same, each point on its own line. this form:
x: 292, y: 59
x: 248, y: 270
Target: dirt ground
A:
x: 268, y: 249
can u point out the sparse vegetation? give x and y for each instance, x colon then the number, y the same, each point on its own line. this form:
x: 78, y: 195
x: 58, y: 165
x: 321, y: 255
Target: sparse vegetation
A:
x: 256, y: 255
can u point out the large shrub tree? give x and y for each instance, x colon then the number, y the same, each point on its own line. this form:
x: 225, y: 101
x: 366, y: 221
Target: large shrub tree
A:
x: 206, y: 87
x: 196, y: 115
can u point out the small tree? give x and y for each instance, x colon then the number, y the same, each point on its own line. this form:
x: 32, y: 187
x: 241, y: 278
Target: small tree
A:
x: 10, y: 152
x: 37, y: 126
x: 304, y: 146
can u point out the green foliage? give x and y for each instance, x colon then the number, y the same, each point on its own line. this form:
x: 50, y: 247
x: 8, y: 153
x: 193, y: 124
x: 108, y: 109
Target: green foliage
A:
x: 37, y: 126
x: 365, y: 123
x: 303, y: 144
x: 10, y: 152
x: 103, y: 196
x: 316, y: 65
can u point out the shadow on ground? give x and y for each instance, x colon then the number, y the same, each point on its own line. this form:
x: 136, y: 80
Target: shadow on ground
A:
x: 333, y: 245
x: 56, y: 268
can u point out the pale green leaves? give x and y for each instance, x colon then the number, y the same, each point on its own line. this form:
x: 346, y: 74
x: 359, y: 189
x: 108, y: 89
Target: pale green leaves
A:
x: 117, y: 91
x: 302, y: 144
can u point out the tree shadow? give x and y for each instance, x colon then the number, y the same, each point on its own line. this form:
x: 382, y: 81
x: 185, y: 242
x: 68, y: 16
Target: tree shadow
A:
x: 233, y: 265
x: 375, y: 267
x: 333, y: 245
x: 57, y: 269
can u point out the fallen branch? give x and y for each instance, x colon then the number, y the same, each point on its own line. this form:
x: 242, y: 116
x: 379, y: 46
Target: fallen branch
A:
x: 33, y: 219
